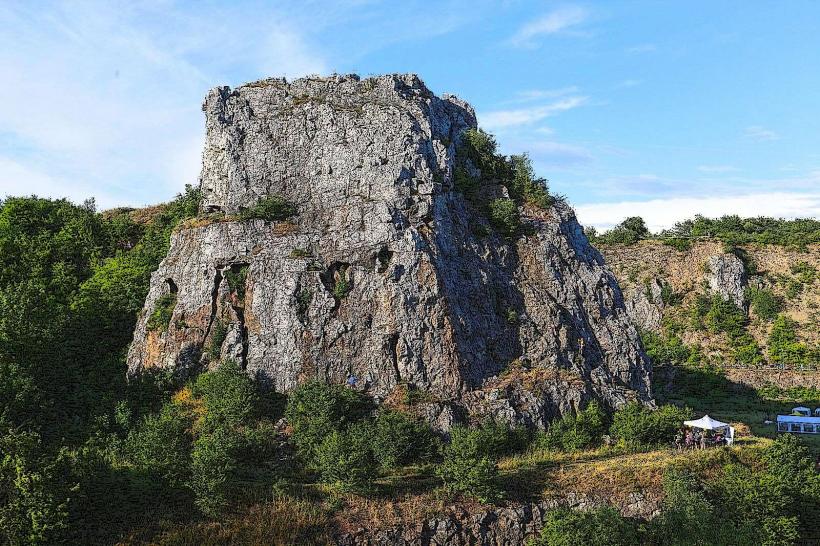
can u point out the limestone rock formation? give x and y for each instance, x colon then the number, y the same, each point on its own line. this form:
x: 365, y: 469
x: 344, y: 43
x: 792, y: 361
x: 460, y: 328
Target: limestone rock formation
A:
x: 645, y: 305
x: 382, y: 275
x: 727, y: 278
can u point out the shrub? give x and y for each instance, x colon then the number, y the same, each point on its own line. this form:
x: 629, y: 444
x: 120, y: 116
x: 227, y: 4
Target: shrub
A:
x: 316, y: 409
x: 303, y: 299
x: 399, y: 440
x: 805, y: 272
x: 504, y: 216
x: 602, y: 526
x: 467, y: 466
x: 271, y: 209
x: 687, y: 518
x: 231, y: 397
x: 213, y: 466
x: 665, y: 350
x: 345, y: 459
x: 500, y: 439
x: 163, y: 310
x: 574, y: 432
x: 161, y: 445
x: 218, y: 335
x: 237, y: 276
x: 783, y: 345
x: 524, y: 186
x: 637, y: 425
x: 765, y: 303
x: 342, y: 287
x: 628, y: 232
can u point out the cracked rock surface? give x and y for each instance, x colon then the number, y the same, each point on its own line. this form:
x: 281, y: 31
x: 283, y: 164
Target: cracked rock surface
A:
x: 381, y: 274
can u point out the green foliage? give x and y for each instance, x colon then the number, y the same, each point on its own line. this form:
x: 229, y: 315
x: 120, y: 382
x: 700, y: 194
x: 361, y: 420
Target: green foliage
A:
x: 161, y: 316
x: 736, y: 230
x: 628, y: 232
x: 230, y: 396
x: 525, y: 186
x: 688, y: 518
x: 213, y: 467
x: 678, y: 243
x: 316, y: 409
x: 515, y: 172
x: 783, y: 345
x: 342, y: 287
x: 504, y: 216
x: 468, y: 467
x: 161, y: 445
x: 765, y: 303
x: 637, y: 425
x: 575, y: 432
x: 345, y: 459
x: 219, y: 332
x: 499, y: 439
x: 271, y: 209
x: 805, y: 272
x: 303, y: 299
x: 602, y: 526
x: 665, y: 349
x: 398, y: 440
x: 237, y: 276
x: 34, y: 501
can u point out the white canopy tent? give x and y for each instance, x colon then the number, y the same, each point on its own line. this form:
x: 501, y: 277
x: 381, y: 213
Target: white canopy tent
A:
x: 707, y: 423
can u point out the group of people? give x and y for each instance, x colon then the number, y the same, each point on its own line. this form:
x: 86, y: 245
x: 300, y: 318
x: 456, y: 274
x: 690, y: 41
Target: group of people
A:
x: 693, y: 438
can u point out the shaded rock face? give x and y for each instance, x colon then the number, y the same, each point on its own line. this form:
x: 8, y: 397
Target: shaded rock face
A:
x: 727, y: 278
x: 380, y: 275
x: 645, y: 305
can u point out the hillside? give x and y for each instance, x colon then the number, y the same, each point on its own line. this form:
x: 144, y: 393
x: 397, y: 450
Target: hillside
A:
x: 777, y: 287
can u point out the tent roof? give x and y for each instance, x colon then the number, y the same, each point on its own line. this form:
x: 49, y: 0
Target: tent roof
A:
x: 706, y: 423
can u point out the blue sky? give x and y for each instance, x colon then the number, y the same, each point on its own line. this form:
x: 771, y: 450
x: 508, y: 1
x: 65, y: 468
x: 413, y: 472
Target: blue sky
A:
x: 663, y: 109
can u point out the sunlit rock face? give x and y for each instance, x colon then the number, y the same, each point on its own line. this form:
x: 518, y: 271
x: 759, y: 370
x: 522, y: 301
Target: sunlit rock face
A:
x: 382, y: 274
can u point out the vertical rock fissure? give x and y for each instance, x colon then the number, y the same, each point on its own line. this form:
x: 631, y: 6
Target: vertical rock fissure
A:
x: 214, y: 305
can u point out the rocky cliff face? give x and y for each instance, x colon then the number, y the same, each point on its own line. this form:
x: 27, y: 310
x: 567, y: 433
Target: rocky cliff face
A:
x: 382, y: 274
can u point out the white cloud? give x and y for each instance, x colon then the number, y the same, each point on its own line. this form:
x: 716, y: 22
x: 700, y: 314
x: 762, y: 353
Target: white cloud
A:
x: 717, y: 169
x: 664, y: 213
x: 556, y: 21
x: 103, y: 99
x: 500, y: 119
x: 761, y: 134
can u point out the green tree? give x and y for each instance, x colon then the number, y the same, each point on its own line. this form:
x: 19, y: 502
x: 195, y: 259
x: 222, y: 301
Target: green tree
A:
x: 345, y: 458
x: 467, y: 466
x: 602, y: 526
x: 316, y: 409
x: 398, y: 439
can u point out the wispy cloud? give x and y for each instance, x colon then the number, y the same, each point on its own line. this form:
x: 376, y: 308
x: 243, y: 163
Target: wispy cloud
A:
x: 530, y: 95
x: 501, y: 119
x: 106, y: 98
x: 558, y: 20
x: 628, y: 83
x: 642, y: 48
x: 558, y: 154
x: 664, y: 213
x: 759, y: 133
x: 717, y: 168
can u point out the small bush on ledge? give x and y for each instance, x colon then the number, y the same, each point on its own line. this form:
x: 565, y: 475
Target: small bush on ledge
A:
x: 161, y: 316
x: 271, y: 209
x: 504, y: 216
